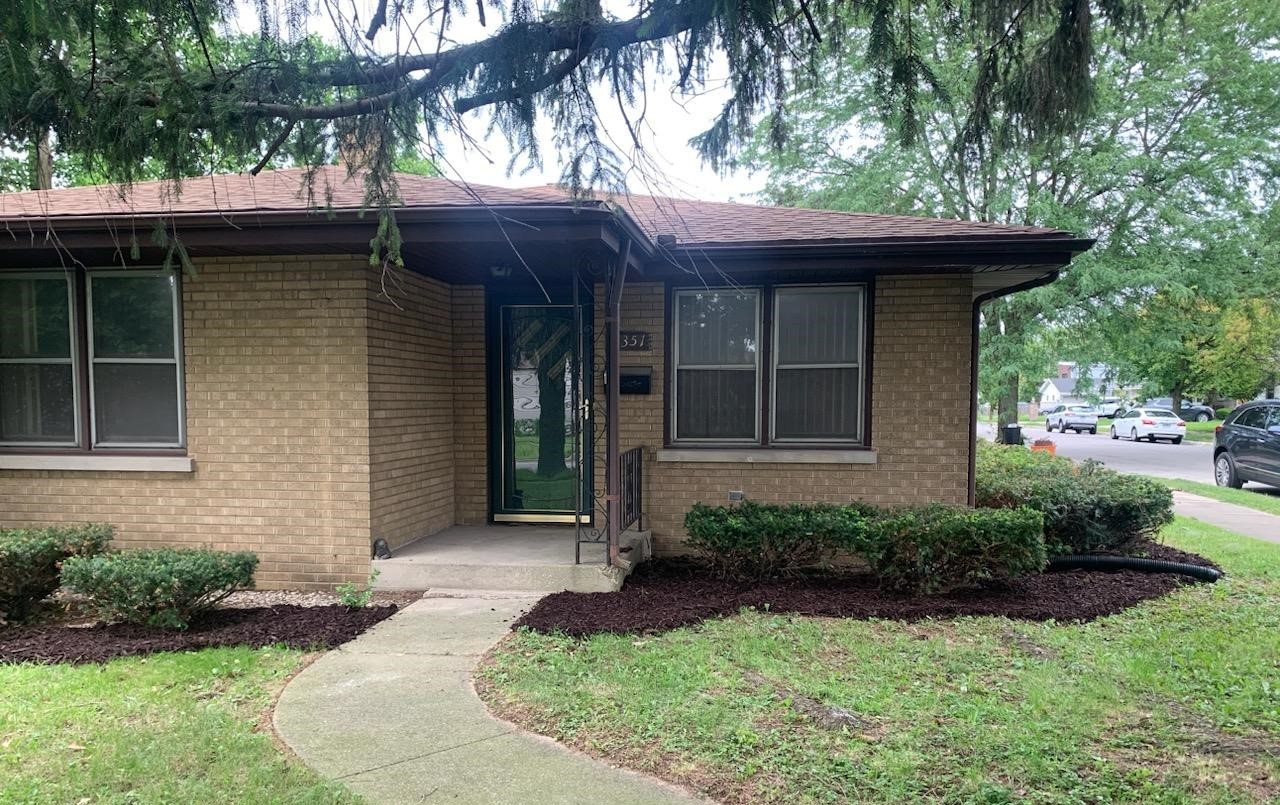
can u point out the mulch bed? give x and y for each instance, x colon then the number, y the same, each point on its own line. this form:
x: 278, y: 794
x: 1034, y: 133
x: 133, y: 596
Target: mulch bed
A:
x: 306, y: 628
x: 665, y: 594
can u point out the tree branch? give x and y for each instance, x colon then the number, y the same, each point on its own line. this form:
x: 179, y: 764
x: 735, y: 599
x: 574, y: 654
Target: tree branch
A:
x: 379, y: 20
x: 548, y: 79
x: 273, y: 148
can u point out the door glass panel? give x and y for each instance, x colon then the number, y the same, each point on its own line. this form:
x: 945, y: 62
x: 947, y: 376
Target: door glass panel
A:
x: 539, y: 461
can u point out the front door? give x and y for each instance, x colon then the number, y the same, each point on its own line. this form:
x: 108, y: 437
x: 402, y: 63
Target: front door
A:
x: 540, y: 466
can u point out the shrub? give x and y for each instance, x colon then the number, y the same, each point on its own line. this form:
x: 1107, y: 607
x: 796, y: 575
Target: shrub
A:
x: 1222, y: 413
x: 162, y: 587
x: 1087, y: 508
x: 30, y: 559
x: 756, y: 541
x: 352, y: 597
x: 936, y: 548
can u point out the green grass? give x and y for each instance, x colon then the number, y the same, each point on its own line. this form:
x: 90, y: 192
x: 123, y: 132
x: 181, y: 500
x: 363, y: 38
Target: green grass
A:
x: 527, y: 447
x: 168, y: 728
x: 1177, y: 700
x: 1268, y: 501
x: 1202, y: 431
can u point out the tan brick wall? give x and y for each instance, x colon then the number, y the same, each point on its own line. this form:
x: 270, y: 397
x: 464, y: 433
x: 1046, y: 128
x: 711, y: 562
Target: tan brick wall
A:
x: 920, y: 413
x: 471, y: 438
x: 277, y: 419
x: 411, y: 406
x: 321, y: 413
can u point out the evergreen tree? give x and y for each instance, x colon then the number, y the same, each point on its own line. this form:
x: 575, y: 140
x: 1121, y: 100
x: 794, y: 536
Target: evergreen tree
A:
x: 142, y: 87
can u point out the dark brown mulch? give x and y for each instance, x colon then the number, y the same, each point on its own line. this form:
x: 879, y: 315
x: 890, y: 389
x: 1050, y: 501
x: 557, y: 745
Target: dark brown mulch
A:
x: 665, y: 594
x: 307, y: 628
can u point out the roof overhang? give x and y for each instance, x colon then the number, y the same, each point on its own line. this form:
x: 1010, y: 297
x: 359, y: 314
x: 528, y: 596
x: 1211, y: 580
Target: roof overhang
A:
x: 589, y: 227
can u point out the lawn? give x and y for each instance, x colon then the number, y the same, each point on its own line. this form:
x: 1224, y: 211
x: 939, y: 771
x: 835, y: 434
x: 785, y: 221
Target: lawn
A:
x: 1202, y: 431
x: 1177, y: 700
x: 164, y: 728
x: 1264, y: 499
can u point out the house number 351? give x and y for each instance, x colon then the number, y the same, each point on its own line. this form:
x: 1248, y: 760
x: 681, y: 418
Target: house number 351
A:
x: 634, y: 342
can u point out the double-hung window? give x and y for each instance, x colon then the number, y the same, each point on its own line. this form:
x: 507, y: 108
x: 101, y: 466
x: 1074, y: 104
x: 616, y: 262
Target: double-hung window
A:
x: 802, y: 385
x: 90, y: 361
x: 717, y: 377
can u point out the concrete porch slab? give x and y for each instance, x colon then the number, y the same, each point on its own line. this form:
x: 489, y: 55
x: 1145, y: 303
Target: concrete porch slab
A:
x: 519, y: 558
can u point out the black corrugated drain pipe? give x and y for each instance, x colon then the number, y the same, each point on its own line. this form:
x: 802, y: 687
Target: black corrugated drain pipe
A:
x: 1133, y: 563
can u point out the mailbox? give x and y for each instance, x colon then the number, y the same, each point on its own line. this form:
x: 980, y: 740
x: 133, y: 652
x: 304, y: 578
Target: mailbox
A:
x: 634, y: 379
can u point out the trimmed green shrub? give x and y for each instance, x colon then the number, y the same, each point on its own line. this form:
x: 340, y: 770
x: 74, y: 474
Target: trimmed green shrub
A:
x: 1087, y: 508
x: 30, y: 559
x: 1222, y: 413
x: 161, y: 587
x: 756, y: 541
x: 935, y: 548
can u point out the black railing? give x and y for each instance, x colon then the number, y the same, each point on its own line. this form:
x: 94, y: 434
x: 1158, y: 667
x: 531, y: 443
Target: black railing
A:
x: 632, y: 487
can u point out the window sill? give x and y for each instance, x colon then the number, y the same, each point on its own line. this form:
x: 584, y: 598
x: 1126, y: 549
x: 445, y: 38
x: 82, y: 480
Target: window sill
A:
x: 103, y: 463
x: 771, y: 455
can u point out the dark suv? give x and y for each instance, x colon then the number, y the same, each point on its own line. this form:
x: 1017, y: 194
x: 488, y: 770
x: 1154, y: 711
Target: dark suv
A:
x: 1246, y: 447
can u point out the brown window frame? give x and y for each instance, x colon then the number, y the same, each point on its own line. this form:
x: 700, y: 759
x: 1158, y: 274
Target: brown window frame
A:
x: 78, y: 280
x: 767, y: 366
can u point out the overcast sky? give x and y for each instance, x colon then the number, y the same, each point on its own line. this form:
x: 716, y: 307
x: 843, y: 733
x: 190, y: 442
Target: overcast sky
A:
x: 669, y: 121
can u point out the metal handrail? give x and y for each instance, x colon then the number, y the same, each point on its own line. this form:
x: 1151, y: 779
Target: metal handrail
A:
x: 632, y: 462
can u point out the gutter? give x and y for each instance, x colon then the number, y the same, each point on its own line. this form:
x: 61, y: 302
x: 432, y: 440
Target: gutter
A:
x: 978, y: 302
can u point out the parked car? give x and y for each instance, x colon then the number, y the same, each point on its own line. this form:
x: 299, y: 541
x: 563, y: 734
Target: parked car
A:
x: 1111, y: 407
x: 1246, y: 447
x: 1150, y: 424
x: 1189, y: 410
x: 1078, y: 417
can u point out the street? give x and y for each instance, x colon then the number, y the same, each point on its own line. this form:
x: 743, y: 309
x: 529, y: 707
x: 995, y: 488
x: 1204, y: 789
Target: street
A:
x: 1190, y: 461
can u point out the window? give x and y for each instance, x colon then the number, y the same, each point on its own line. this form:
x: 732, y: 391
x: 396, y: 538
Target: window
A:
x: 717, y: 375
x: 817, y: 366
x: 815, y: 377
x: 90, y: 360
x: 37, y: 372
x: 1253, y: 418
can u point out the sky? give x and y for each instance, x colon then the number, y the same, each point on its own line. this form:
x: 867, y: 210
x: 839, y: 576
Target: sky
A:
x: 669, y: 120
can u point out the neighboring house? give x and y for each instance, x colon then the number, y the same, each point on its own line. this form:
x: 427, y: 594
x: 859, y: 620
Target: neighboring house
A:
x: 1057, y: 390
x: 1067, y: 388
x: 289, y: 399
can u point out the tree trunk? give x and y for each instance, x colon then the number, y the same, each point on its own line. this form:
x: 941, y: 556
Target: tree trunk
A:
x: 42, y: 178
x: 1175, y: 397
x: 1007, y: 407
x: 551, y: 415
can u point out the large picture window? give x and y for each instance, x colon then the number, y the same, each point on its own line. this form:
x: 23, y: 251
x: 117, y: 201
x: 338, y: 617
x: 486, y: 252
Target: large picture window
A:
x: 803, y: 385
x: 90, y: 360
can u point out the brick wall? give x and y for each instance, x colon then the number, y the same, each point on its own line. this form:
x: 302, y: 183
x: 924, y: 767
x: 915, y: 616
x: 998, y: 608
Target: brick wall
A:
x: 321, y: 414
x: 471, y: 438
x: 411, y: 406
x: 920, y: 413
x: 277, y: 420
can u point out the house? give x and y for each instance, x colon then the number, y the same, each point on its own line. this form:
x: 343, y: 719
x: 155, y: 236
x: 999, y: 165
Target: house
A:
x: 1056, y: 390
x: 1068, y: 388
x: 538, y: 360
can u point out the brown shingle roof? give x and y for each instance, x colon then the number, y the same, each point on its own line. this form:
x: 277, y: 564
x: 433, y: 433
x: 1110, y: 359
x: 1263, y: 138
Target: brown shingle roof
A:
x: 700, y: 223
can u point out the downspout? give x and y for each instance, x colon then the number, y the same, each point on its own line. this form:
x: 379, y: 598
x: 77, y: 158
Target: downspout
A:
x: 978, y: 302
x: 612, y: 379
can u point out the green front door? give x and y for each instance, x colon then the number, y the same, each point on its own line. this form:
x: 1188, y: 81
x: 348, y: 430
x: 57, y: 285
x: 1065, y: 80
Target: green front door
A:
x: 541, y: 461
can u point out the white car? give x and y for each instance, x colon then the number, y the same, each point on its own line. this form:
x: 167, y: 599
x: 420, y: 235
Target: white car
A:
x: 1150, y: 424
x: 1072, y: 417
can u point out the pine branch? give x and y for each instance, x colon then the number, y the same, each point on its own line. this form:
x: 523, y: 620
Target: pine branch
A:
x: 548, y: 79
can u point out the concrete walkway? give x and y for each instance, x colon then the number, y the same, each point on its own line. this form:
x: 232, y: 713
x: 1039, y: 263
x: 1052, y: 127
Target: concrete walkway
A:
x: 1240, y: 519
x: 393, y: 716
